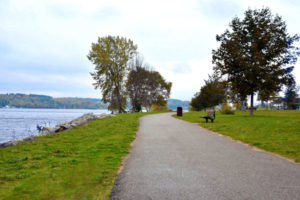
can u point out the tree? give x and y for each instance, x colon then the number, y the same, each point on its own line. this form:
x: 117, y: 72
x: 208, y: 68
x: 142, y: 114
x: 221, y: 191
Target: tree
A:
x: 146, y: 87
x: 210, y: 95
x: 157, y: 90
x: 136, y: 84
x: 196, y: 102
x: 111, y: 56
x: 290, y: 96
x: 255, y: 55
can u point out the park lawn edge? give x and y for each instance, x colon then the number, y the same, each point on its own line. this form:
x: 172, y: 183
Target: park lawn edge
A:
x: 291, y: 158
x: 254, y: 148
x: 69, y: 172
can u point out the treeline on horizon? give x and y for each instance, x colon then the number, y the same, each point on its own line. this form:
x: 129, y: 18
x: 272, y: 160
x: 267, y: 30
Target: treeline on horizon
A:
x: 19, y: 100
x: 43, y: 101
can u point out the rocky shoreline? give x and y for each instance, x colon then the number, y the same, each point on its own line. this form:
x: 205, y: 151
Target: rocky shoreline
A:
x: 84, y: 119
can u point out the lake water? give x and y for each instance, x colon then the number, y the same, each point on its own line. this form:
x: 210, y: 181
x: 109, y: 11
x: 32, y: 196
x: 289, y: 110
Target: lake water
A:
x: 21, y: 123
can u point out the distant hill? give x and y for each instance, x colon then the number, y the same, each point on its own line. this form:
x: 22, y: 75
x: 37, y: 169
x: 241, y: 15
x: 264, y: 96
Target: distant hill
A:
x: 42, y: 101
x: 174, y: 103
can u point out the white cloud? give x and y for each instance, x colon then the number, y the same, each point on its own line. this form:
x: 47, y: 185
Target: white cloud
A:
x: 36, y: 78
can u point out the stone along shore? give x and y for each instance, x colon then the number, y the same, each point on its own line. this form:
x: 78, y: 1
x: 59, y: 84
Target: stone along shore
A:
x: 84, y: 119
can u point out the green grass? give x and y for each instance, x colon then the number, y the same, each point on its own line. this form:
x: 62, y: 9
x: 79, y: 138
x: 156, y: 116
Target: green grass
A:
x: 81, y: 163
x: 274, y: 131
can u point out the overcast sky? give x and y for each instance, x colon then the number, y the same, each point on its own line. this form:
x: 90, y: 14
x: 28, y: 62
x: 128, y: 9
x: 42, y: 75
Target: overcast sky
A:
x: 44, y: 43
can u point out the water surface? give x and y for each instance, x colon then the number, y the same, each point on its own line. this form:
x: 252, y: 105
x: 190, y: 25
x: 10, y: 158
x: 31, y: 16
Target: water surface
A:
x: 20, y: 123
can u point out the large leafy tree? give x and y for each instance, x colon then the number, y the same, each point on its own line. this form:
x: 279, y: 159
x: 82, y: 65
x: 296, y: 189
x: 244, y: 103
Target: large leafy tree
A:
x: 146, y: 87
x: 255, y: 54
x: 211, y: 94
x: 111, y: 56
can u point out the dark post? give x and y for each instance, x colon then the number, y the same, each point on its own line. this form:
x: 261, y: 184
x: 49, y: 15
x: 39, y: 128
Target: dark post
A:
x: 179, y: 111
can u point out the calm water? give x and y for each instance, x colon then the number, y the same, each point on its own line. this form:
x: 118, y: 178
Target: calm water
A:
x: 20, y: 123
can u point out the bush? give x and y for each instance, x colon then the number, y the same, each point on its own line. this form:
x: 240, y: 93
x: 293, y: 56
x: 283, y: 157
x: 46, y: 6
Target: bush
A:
x: 227, y: 110
x: 159, y: 108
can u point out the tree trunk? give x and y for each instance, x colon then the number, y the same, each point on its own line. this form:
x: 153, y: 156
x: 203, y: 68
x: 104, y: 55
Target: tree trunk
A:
x: 120, y: 107
x: 251, y: 105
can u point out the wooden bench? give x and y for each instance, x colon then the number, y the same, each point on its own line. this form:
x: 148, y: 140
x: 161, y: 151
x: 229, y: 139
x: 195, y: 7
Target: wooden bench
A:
x: 210, y: 115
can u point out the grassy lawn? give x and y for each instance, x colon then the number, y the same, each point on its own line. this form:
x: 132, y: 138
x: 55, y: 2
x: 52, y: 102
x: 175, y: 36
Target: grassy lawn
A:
x: 81, y: 163
x: 274, y: 131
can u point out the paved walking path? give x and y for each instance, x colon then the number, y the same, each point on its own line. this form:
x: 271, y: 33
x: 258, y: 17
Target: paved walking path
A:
x: 173, y: 159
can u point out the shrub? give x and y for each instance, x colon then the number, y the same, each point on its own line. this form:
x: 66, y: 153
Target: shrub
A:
x: 159, y: 108
x: 226, y: 110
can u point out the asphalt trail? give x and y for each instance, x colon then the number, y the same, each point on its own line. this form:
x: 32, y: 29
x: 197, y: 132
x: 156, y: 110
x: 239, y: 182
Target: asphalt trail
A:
x: 173, y: 159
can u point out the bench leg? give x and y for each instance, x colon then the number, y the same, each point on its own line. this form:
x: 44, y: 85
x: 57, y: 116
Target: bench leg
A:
x: 212, y: 120
x: 206, y: 120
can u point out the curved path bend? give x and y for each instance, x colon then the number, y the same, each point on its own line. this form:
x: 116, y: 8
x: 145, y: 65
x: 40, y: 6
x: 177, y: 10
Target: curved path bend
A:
x: 173, y: 159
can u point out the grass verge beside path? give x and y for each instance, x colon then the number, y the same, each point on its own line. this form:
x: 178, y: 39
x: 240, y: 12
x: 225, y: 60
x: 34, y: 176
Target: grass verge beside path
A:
x: 274, y: 131
x: 81, y: 163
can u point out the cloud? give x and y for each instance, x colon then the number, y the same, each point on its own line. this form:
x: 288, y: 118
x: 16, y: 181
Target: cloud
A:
x: 187, y: 83
x: 219, y: 10
x: 49, y: 39
x: 58, y: 84
x: 181, y: 67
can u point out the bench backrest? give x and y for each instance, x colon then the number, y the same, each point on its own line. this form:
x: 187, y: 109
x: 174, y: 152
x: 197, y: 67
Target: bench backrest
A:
x: 211, y: 114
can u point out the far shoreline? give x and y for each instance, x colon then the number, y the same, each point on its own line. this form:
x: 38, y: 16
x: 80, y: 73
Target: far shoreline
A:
x: 3, y: 108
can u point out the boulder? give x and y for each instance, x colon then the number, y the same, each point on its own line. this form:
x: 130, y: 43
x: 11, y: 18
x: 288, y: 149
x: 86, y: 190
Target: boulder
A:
x: 47, y: 131
x: 10, y: 143
x: 30, y: 138
x: 84, y: 119
x: 103, y: 115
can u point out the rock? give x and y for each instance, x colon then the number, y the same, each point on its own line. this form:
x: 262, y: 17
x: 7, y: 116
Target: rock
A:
x: 10, y: 143
x: 5, y: 144
x: 66, y: 126
x: 103, y: 115
x: 84, y: 119
x: 60, y: 128
x: 30, y: 138
x: 47, y: 131
x: 15, y: 142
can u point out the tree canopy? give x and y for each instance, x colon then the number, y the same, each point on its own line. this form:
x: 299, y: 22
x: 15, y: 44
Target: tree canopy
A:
x: 146, y: 87
x: 111, y: 56
x: 210, y: 95
x: 256, y: 54
x: 136, y: 85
